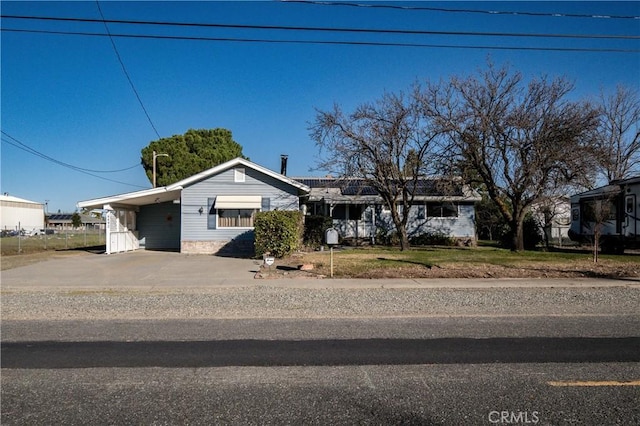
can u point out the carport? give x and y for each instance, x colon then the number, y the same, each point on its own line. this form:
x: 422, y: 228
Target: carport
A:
x: 143, y: 219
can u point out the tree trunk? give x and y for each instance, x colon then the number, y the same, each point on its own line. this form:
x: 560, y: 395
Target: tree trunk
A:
x: 517, y: 227
x: 404, y: 239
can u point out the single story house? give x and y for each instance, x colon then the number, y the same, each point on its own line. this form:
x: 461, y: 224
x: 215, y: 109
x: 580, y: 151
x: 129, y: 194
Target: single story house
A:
x: 359, y: 212
x: 213, y: 211
x: 210, y: 212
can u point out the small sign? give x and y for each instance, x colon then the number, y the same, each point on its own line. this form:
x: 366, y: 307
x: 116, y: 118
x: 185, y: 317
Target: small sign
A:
x: 269, y: 260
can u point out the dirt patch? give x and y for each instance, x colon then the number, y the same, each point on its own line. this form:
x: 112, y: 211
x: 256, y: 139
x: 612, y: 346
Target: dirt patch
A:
x: 19, y: 260
x: 290, y: 268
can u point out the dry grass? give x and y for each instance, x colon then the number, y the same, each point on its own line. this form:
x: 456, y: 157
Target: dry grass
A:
x: 19, y: 260
x: 458, y: 263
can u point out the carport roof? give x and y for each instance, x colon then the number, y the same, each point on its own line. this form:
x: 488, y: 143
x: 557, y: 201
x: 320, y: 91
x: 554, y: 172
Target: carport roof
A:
x: 137, y: 198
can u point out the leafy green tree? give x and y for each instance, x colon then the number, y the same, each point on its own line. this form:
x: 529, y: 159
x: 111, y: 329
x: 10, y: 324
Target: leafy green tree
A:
x: 188, y: 154
x: 76, y: 220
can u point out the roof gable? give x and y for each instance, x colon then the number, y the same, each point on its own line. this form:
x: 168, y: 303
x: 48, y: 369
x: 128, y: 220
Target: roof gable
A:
x: 191, y: 180
x: 172, y: 192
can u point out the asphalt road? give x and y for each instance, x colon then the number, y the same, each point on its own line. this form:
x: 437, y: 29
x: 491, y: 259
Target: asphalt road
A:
x: 436, y: 370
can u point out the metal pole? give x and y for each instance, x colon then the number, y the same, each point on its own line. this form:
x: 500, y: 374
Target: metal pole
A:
x: 331, y: 250
x: 154, y: 169
x: 155, y: 156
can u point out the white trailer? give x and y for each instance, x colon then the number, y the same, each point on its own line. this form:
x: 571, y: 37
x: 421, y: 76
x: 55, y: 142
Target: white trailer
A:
x: 610, y: 211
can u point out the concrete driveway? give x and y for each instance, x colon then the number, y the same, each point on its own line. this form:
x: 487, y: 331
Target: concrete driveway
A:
x: 134, y: 269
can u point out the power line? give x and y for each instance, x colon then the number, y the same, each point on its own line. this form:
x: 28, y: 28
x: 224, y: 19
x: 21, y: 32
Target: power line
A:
x: 24, y: 147
x: 322, y: 29
x: 481, y: 11
x: 45, y: 156
x: 325, y: 42
x: 124, y: 69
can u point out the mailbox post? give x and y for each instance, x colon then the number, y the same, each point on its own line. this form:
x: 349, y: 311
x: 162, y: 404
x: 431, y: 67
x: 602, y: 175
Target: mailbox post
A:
x: 331, y: 238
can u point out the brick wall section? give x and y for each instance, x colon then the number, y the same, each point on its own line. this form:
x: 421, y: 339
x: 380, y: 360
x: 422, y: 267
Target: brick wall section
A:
x: 201, y: 247
x: 239, y: 248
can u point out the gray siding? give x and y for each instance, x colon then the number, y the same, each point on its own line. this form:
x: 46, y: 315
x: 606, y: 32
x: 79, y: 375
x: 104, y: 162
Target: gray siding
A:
x: 159, y: 226
x: 197, y: 227
x: 462, y: 226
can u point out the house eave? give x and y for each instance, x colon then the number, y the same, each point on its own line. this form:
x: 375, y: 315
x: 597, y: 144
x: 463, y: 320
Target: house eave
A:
x: 134, y: 199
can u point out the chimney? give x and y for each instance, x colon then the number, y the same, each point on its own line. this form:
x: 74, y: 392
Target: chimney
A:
x: 283, y: 164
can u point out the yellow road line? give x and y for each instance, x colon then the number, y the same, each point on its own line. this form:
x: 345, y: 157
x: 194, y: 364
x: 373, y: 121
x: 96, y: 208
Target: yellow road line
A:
x: 593, y: 383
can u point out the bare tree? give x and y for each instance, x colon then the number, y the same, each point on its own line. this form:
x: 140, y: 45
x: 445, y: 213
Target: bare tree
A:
x: 518, y: 140
x: 389, y: 144
x: 619, y: 134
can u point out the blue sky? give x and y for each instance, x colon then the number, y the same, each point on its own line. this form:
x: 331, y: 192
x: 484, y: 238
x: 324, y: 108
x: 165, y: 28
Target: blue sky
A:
x: 67, y: 97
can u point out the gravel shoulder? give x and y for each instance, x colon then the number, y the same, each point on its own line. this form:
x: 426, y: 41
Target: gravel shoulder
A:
x: 286, y: 302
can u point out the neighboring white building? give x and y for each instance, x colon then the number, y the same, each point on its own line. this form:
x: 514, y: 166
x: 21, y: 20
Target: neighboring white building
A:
x: 17, y: 213
x: 554, y: 217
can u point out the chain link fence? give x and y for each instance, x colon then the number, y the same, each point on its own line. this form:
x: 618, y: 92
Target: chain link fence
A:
x: 14, y: 243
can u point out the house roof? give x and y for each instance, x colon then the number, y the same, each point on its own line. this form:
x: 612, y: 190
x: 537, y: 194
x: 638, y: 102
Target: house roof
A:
x: 349, y: 190
x: 173, y: 191
x: 68, y: 218
x: 6, y: 197
x: 233, y: 163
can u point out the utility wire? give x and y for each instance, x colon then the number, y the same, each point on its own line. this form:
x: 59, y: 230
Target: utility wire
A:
x: 326, y: 42
x: 441, y: 9
x: 62, y: 163
x: 124, y: 69
x: 81, y: 171
x: 321, y: 29
x: 21, y: 145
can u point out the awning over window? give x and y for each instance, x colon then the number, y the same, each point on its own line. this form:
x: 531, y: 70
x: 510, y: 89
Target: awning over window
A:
x: 238, y: 202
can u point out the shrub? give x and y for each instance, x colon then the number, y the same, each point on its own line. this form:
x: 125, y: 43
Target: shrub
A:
x: 531, y: 233
x: 387, y: 236
x: 433, y: 239
x: 278, y: 232
x: 315, y: 228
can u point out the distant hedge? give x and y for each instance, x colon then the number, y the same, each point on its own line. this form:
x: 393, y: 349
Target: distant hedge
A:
x: 278, y: 232
x: 315, y: 228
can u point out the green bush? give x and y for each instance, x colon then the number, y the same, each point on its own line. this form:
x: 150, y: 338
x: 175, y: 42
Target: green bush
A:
x: 433, y: 239
x: 531, y: 234
x: 278, y: 232
x: 315, y: 228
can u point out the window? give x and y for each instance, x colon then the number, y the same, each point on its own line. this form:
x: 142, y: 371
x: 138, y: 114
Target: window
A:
x: 442, y: 210
x: 421, y: 213
x: 238, y: 175
x: 236, y: 218
x: 599, y: 211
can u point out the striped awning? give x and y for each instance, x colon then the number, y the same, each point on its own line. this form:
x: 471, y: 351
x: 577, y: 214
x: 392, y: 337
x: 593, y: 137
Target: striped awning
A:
x: 238, y: 202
